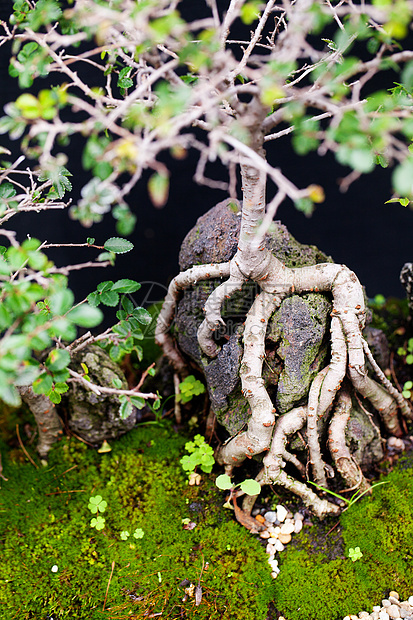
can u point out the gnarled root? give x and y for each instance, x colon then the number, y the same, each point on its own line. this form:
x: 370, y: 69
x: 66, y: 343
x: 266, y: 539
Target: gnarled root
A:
x: 257, y: 437
x: 274, y: 473
x: 348, y: 351
x: 348, y: 468
x: 167, y: 313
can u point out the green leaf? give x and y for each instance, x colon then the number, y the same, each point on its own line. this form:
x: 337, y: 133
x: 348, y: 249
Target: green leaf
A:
x: 117, y: 245
x: 224, y: 482
x: 93, y: 299
x: 250, y: 487
x: 9, y: 395
x: 138, y: 401
x: 126, y: 286
x: 142, y: 315
x: 85, y: 316
x: 125, y: 410
x: 402, y: 178
x: 117, y: 383
x: 158, y: 188
x: 57, y: 360
x: 43, y: 384
x: 61, y: 301
x: 109, y: 298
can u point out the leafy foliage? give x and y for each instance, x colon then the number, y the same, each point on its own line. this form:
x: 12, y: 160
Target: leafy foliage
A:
x: 200, y: 454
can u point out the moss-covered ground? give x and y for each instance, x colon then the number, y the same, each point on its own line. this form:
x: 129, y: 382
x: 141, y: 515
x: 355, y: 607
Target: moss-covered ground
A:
x: 319, y: 581
x: 45, y: 522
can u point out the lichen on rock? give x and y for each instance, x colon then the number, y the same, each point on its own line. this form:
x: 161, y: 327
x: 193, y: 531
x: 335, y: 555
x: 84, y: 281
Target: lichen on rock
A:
x: 93, y: 417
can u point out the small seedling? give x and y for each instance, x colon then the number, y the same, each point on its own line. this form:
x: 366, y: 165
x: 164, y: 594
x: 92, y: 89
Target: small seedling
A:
x: 407, y: 389
x: 138, y: 533
x: 407, y: 351
x: 189, y: 388
x: 354, y: 498
x: 248, y: 486
x: 97, y: 504
x: 201, y: 454
x: 355, y: 554
x: 98, y: 522
x: 124, y: 535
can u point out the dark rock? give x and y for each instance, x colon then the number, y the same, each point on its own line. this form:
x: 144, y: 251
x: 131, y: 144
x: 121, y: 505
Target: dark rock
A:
x: 379, y: 345
x: 92, y: 417
x: 363, y: 437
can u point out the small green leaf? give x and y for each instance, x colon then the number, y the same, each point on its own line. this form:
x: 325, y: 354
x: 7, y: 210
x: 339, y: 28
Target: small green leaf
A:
x: 250, y: 487
x: 109, y: 298
x: 224, y: 482
x: 58, y: 359
x: 61, y: 301
x: 125, y: 410
x: 117, y: 245
x: 85, y: 316
x: 142, y: 315
x: 126, y: 286
x: 158, y: 188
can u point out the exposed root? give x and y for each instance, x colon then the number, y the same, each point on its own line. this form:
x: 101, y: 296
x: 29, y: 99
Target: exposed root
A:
x: 348, y: 352
x: 257, y: 437
x: 348, y: 468
x: 317, y: 463
x: 167, y: 313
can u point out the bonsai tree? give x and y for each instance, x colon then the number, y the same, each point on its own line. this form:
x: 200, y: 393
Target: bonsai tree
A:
x: 142, y: 78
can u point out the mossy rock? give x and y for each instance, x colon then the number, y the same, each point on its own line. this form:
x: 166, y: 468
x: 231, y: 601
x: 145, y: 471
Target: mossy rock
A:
x: 297, y: 342
x: 91, y: 416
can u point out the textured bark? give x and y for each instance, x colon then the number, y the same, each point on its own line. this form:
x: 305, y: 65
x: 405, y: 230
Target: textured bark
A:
x: 47, y: 420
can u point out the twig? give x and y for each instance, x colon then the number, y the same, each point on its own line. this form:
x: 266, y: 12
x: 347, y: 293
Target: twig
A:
x: 98, y: 389
x: 23, y: 448
x: 107, y: 589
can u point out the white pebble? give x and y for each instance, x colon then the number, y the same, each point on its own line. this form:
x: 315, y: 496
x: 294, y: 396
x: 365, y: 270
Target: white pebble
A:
x: 393, y: 611
x: 376, y: 608
x: 383, y: 615
x: 394, y: 600
x: 287, y: 528
x: 279, y: 546
x: 273, y: 564
x: 270, y: 549
x: 385, y: 603
x: 396, y: 443
x: 270, y: 516
x: 298, y: 516
x: 410, y: 600
x: 274, y: 575
x: 346, y: 618
x: 298, y: 526
x: 272, y: 540
x: 364, y: 614
x: 281, y: 513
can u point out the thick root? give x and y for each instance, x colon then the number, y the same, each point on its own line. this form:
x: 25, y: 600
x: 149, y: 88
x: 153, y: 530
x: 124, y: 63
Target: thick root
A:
x: 347, y: 467
x: 274, y: 473
x: 257, y: 437
x: 167, y: 313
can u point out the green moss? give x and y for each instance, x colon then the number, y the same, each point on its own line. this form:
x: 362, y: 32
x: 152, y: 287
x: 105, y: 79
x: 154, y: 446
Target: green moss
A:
x: 319, y: 581
x: 45, y: 521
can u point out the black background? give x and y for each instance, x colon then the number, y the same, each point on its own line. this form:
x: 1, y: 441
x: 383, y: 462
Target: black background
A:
x: 355, y: 228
